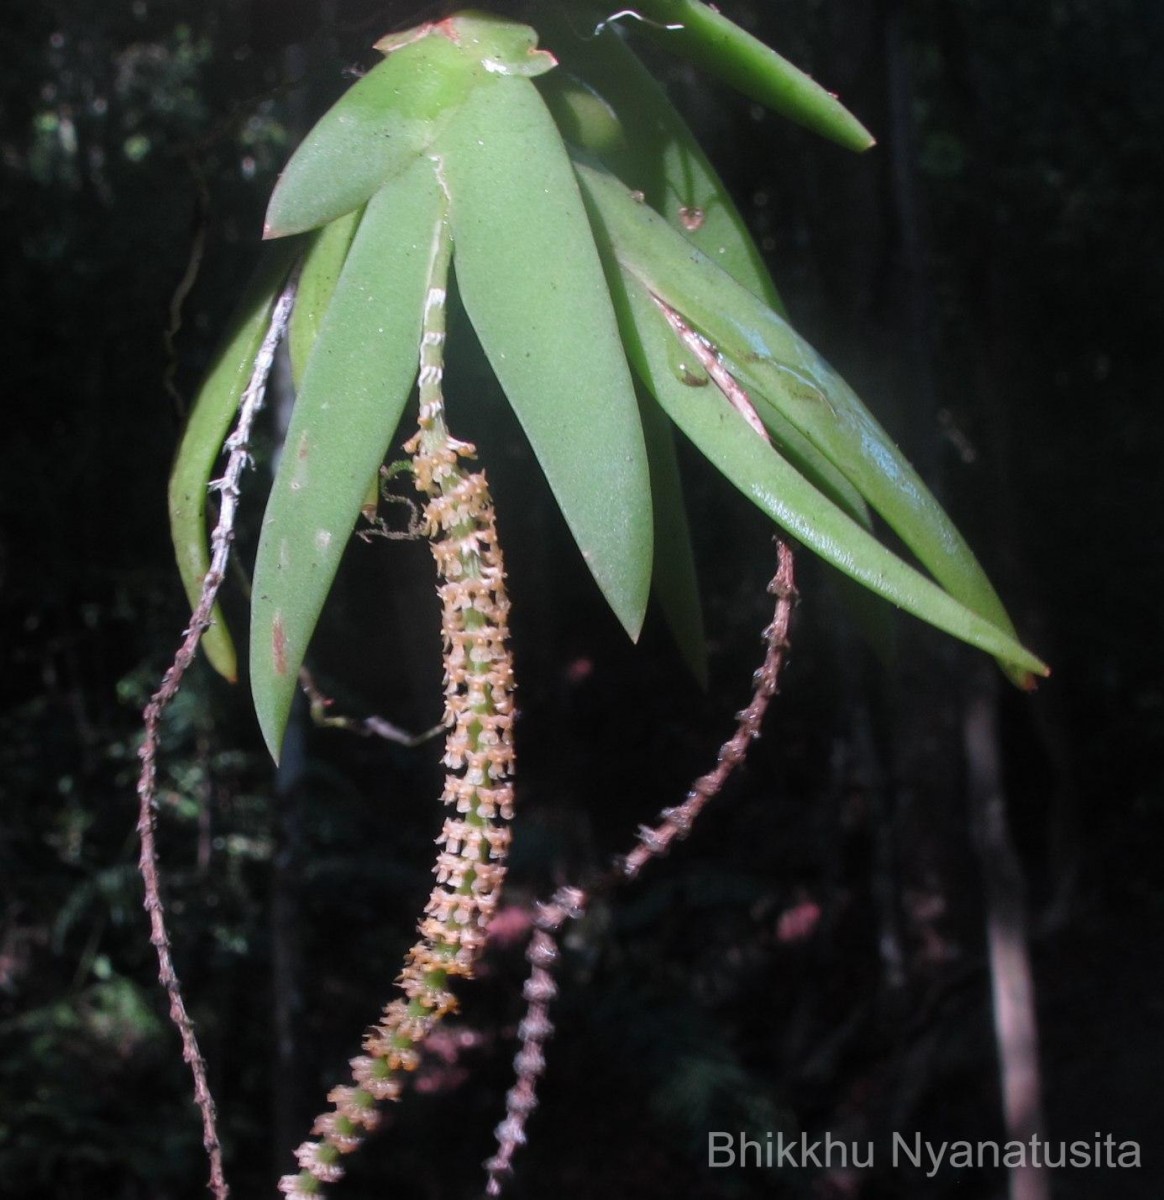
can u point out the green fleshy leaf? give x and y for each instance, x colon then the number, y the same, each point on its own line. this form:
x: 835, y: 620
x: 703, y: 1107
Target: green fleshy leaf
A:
x: 535, y: 292
x: 674, y: 582
x: 387, y: 120
x: 654, y: 151
x: 784, y: 373
x: 586, y: 119
x: 377, y: 129
x: 355, y: 387
x: 779, y: 490
x: 211, y: 414
x: 322, y: 265
x: 708, y: 39
x: 668, y: 256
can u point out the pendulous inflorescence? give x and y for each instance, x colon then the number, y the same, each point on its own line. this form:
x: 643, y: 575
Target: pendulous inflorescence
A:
x: 459, y: 522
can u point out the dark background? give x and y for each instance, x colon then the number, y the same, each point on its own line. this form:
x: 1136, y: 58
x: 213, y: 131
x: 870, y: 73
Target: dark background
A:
x: 989, y: 277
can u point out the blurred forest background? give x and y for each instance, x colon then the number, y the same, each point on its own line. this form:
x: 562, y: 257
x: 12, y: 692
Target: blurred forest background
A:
x: 814, y: 958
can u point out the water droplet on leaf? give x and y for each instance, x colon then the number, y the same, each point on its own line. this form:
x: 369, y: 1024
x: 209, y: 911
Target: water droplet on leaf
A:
x: 685, y: 366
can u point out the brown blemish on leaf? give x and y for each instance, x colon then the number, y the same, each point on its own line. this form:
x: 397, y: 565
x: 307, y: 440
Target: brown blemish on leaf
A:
x: 395, y: 41
x: 692, y: 218
x: 279, y: 645
x: 449, y: 28
x: 302, y: 453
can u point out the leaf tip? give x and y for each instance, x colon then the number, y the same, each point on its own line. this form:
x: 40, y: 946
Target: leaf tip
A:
x: 631, y: 610
x: 273, y: 726
x: 1027, y: 680
x: 273, y: 227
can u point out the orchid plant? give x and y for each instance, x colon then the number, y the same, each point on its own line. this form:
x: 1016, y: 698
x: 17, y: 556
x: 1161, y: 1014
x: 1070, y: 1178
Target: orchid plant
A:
x: 611, y: 281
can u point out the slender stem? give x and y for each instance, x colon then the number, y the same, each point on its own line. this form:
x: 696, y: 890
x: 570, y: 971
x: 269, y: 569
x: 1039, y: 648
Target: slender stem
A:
x: 373, y: 726
x: 238, y: 456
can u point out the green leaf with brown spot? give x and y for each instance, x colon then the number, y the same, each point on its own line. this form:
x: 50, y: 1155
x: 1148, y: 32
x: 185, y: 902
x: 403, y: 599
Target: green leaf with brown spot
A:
x: 622, y: 115
x: 355, y: 386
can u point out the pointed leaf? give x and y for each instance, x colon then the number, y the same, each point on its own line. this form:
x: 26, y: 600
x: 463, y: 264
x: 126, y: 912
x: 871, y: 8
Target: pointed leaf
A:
x: 705, y: 37
x: 355, y: 386
x: 534, y: 289
x: 779, y: 490
x: 783, y: 371
x: 210, y: 418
